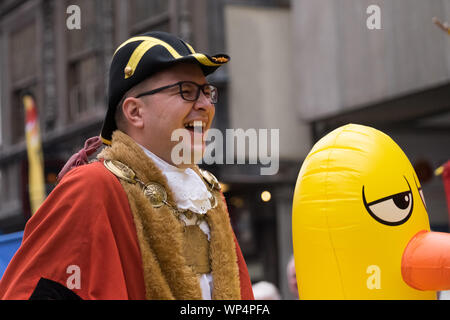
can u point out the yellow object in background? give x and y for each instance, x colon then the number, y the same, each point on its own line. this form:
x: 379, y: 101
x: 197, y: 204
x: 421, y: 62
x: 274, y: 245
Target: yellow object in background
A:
x: 357, y: 204
x: 36, y: 182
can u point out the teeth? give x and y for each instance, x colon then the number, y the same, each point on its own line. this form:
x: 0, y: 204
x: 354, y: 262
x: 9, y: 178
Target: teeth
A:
x: 195, y: 124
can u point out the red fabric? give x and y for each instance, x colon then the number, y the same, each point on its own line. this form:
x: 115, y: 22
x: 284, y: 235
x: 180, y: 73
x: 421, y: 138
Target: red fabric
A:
x: 246, y: 285
x: 446, y: 180
x: 86, y: 222
x: 90, y: 146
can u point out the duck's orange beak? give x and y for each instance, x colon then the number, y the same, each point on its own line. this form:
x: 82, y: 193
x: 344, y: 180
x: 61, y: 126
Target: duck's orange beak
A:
x: 426, y: 261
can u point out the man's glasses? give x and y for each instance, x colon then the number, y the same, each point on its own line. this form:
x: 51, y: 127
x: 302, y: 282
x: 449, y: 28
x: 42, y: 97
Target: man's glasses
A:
x: 189, y: 91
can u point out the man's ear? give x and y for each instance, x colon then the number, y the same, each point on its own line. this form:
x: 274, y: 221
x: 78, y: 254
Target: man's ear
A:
x: 132, y: 111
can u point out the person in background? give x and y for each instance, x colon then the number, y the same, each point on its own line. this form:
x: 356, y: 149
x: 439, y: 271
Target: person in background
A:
x: 291, y: 277
x: 264, y: 290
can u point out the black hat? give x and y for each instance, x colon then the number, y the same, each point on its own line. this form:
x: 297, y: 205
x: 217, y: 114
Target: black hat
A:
x: 141, y: 57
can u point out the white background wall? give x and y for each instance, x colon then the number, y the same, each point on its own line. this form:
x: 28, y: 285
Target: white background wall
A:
x: 261, y: 94
x: 341, y: 64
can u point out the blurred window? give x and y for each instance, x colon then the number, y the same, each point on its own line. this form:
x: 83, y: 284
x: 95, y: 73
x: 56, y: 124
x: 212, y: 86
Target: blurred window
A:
x: 23, y: 75
x: 85, y: 76
x: 10, y: 184
x: 268, y: 3
x: 254, y: 223
x: 1, y: 104
x: 2, y: 187
x: 144, y: 15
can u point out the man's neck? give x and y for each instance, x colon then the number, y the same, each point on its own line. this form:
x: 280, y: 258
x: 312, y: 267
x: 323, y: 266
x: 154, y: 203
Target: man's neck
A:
x: 156, y: 157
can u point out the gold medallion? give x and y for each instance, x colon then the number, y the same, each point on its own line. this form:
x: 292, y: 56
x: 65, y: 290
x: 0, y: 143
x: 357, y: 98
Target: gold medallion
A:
x: 156, y: 194
x: 196, y: 249
x: 210, y: 179
x: 189, y: 214
x: 120, y: 170
x: 213, y: 201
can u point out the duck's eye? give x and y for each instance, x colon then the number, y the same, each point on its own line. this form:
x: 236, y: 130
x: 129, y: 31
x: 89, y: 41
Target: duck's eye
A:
x: 392, y: 210
x: 402, y: 200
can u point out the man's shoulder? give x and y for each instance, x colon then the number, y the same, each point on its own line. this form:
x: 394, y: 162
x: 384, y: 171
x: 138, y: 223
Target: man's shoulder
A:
x: 88, y: 186
x: 92, y: 175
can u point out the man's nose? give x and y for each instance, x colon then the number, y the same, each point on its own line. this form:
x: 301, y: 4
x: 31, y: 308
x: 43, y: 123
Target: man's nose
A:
x: 203, y: 102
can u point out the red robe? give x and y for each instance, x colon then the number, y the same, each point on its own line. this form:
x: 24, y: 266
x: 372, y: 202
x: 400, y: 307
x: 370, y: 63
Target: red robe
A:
x: 83, y: 237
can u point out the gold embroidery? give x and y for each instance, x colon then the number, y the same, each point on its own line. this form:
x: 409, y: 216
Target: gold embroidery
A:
x: 219, y: 59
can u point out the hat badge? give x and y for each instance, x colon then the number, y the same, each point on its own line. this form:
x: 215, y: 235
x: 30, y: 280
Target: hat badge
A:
x: 128, y: 71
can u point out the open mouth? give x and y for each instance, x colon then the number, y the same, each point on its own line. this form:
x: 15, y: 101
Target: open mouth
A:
x: 196, y: 126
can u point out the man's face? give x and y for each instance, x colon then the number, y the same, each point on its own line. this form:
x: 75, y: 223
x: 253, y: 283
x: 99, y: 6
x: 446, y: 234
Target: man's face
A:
x: 166, y: 111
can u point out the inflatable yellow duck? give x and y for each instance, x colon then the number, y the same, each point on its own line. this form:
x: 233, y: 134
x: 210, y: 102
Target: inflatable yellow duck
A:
x: 360, y: 223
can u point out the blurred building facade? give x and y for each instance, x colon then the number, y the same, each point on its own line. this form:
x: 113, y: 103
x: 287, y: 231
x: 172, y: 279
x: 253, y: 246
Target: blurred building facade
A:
x: 303, y: 67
